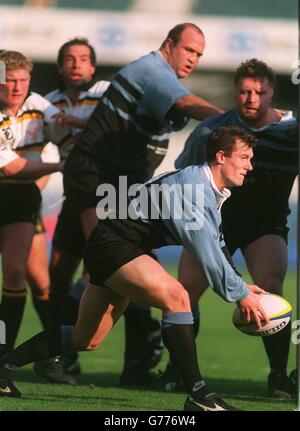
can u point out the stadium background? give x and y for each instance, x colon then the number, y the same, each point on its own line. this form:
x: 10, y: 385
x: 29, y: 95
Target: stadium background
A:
x: 122, y: 30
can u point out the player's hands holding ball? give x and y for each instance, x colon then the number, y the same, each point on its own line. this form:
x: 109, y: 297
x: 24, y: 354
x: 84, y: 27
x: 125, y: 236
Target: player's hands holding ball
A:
x: 251, y: 308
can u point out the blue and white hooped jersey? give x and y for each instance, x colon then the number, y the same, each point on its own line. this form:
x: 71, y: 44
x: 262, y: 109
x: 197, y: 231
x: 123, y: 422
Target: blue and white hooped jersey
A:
x: 129, y: 131
x: 276, y: 147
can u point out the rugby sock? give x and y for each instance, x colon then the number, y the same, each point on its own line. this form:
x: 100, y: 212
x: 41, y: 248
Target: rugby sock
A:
x: 196, y: 326
x: 68, y: 308
x: 44, y: 345
x: 11, y: 312
x: 178, y: 336
x: 277, y: 348
x: 137, y: 323
x: 43, y: 308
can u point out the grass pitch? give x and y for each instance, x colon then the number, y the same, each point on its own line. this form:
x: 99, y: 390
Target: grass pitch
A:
x: 234, y: 365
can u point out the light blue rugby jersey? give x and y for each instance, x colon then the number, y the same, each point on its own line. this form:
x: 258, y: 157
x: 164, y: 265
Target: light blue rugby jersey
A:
x: 190, y: 215
x: 276, y: 146
x: 129, y: 131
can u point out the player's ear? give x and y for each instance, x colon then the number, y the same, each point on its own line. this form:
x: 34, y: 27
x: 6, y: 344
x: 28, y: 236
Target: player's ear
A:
x: 168, y: 45
x: 220, y: 157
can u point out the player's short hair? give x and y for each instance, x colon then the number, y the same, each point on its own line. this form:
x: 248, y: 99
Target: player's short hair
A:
x: 224, y: 139
x: 256, y: 69
x: 175, y: 33
x: 76, y: 41
x: 15, y: 60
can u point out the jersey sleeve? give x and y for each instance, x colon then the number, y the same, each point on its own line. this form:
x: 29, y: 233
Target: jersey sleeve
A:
x: 6, y: 156
x: 198, y: 228
x: 160, y: 95
x: 52, y: 130
x: 205, y: 245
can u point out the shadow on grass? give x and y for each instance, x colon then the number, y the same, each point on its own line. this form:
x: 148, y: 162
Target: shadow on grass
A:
x: 96, y: 379
x: 238, y: 389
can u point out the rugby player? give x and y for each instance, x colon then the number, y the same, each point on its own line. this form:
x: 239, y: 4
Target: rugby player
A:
x: 255, y: 218
x: 119, y: 260
x: 128, y: 134
x: 27, y: 122
x: 77, y: 95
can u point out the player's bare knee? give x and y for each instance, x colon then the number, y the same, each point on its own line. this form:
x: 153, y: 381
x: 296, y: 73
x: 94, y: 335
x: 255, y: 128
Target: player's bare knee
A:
x: 178, y: 300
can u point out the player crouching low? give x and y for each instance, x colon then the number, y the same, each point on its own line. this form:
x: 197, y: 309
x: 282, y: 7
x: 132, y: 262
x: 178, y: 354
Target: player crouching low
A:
x: 122, y: 269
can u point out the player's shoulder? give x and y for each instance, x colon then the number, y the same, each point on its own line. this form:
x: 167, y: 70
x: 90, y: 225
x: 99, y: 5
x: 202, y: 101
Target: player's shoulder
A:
x: 192, y: 173
x: 148, y: 68
x: 99, y: 87
x: 35, y: 101
x: 218, y: 120
x: 53, y: 96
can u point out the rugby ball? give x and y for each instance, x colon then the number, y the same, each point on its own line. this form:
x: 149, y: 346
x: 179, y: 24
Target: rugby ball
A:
x: 279, y: 312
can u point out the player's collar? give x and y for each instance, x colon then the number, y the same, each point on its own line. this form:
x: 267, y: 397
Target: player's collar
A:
x: 222, y: 195
x: 287, y: 115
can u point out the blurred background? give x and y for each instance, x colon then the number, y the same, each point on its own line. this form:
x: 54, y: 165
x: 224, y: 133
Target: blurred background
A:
x: 123, y: 30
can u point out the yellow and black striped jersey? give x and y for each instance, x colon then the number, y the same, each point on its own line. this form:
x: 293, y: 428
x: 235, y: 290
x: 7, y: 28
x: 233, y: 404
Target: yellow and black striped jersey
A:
x: 33, y: 126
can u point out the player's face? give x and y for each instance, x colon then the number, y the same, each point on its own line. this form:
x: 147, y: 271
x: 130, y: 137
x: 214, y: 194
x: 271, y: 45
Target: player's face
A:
x: 237, y: 165
x: 253, y: 98
x: 184, y: 56
x: 77, y: 68
x: 14, y: 92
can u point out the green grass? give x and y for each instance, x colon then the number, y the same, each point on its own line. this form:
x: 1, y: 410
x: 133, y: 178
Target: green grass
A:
x: 234, y: 365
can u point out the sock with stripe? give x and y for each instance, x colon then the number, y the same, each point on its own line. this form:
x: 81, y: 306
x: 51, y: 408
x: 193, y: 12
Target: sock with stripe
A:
x: 178, y: 336
x: 196, y: 327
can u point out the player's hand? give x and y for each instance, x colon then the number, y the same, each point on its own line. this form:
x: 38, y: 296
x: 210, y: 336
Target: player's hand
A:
x: 255, y: 289
x: 251, y: 307
x: 69, y: 120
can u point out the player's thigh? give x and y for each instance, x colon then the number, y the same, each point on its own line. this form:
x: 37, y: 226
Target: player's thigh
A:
x: 266, y: 260
x: 190, y: 276
x: 15, y: 246
x: 143, y: 280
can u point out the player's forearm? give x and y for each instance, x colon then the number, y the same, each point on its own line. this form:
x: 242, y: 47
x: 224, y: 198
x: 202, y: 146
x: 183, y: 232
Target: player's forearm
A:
x: 196, y: 107
x: 31, y: 170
